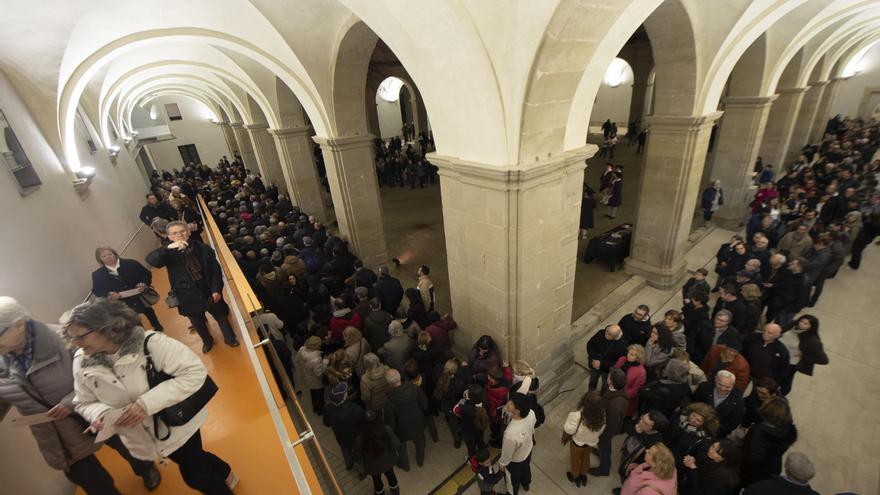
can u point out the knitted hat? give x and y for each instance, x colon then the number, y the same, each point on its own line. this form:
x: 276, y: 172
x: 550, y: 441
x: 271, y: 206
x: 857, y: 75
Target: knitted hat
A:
x: 339, y: 392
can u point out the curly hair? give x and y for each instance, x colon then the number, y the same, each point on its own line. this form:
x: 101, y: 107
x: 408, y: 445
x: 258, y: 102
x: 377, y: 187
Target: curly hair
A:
x: 592, y: 411
x: 709, y: 415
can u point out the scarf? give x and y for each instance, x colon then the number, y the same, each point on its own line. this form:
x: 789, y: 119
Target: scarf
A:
x: 629, y: 364
x: 193, y: 266
x: 25, y: 358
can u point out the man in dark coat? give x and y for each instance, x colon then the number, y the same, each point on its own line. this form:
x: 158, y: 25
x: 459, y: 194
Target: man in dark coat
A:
x: 344, y: 417
x: 711, y: 200
x: 616, y: 403
x: 118, y: 275
x: 36, y: 377
x: 156, y: 209
x: 767, y: 356
x: 405, y: 413
x: 636, y: 326
x: 603, y: 350
x: 389, y: 291
x: 798, y: 471
x: 818, y: 266
x: 725, y: 398
x: 364, y: 277
x: 196, y: 281
x: 717, y: 331
x: 729, y: 299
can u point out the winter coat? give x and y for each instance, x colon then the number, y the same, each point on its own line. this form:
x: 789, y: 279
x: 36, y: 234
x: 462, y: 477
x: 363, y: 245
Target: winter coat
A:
x: 486, y: 363
x: 161, y: 210
x: 396, y: 351
x: 607, y: 352
x: 309, y: 367
x: 356, y: 353
x: 641, y: 481
x: 778, y: 485
x: 293, y: 266
x: 812, y: 351
x: 376, y: 328
x: 616, y: 193
x: 192, y: 294
x: 663, y: 395
x: 390, y: 293
x: 818, y: 264
x: 795, y: 247
x: 615, y: 410
x: 345, y: 421
x: 656, y: 357
x: 374, y: 388
x: 708, y: 478
x: 708, y: 197
x: 580, y: 433
x: 702, y: 340
x: 739, y: 367
x: 378, y: 464
x: 130, y: 273
x: 762, y: 451
x: 635, y: 378
x: 50, y: 380
x: 341, y: 320
x: 440, y: 333
x: 636, y: 332
x: 405, y: 411
x: 730, y: 411
x: 101, y: 386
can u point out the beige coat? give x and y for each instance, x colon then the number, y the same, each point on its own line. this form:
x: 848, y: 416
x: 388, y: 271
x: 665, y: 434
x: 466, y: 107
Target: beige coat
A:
x: 374, y: 388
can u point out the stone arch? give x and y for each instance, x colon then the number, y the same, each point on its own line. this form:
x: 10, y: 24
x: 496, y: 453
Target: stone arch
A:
x: 673, y: 41
x: 747, y: 76
x: 351, y: 61
x: 290, y: 112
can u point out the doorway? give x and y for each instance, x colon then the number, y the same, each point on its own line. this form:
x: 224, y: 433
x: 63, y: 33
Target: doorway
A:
x: 189, y: 154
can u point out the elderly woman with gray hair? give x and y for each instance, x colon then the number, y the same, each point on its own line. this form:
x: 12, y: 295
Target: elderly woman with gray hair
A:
x: 110, y: 370
x: 397, y: 350
x: 36, y: 378
x: 117, y: 275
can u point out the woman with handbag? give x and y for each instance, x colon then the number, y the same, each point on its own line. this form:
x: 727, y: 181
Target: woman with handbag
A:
x: 117, y: 361
x: 118, y: 275
x: 581, y: 431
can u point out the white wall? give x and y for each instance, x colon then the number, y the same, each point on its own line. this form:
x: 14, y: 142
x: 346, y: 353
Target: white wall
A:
x: 195, y: 128
x: 390, y: 123
x: 614, y: 102
x: 853, y: 89
x: 47, y: 248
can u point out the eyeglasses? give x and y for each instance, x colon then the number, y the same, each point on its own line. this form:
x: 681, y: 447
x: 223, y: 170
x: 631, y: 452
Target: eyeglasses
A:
x: 176, y: 233
x: 76, y: 338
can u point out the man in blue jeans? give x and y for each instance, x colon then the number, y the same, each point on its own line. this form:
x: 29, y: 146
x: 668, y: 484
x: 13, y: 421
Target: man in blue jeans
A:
x: 615, y: 397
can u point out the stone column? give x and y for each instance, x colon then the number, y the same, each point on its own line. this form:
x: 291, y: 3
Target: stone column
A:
x: 511, y: 243
x: 351, y: 172
x: 267, y: 156
x: 780, y: 125
x: 244, y: 146
x: 676, y: 154
x: 741, y: 130
x: 824, y: 109
x: 803, y: 125
x: 294, y: 147
x: 229, y: 137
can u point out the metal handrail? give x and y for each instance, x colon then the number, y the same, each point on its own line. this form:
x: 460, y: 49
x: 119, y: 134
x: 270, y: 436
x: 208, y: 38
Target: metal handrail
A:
x: 124, y: 247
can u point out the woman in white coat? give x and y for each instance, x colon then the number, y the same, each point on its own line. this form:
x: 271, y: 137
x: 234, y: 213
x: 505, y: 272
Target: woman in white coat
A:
x: 109, y: 373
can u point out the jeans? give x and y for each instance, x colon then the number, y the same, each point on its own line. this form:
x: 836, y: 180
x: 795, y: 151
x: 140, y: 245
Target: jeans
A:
x: 403, y: 455
x: 518, y: 474
x: 220, y: 312
x: 378, y: 487
x: 201, y: 470
x: 139, y: 466
x: 605, y: 456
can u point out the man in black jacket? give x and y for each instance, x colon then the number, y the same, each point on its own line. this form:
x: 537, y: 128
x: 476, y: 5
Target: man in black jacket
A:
x: 725, y: 398
x: 603, y: 350
x: 196, y: 281
x: 796, y: 481
x: 389, y: 291
x: 718, y: 331
x: 636, y: 326
x: 767, y: 356
x: 729, y: 300
x: 405, y: 413
x: 156, y: 209
x: 344, y: 417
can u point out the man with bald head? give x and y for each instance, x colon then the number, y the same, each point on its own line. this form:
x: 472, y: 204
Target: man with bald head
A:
x: 767, y: 356
x: 603, y: 350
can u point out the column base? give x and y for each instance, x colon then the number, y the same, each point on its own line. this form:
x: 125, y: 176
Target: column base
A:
x: 728, y: 223
x: 659, y: 278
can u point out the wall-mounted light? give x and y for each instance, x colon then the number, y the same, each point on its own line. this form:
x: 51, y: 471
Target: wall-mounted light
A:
x: 113, y: 152
x: 616, y: 73
x: 215, y: 120
x: 134, y: 133
x: 127, y: 139
x: 84, y: 177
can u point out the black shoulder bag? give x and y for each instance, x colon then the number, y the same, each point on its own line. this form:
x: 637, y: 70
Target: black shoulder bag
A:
x: 178, y: 414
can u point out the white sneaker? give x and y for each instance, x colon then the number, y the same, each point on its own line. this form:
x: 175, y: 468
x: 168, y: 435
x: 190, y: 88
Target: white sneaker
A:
x: 232, y: 480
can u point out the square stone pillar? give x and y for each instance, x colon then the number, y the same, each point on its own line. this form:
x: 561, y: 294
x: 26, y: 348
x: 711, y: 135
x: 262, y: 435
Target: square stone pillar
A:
x: 829, y: 95
x: 780, y: 125
x: 675, y: 156
x: 351, y: 172
x: 741, y: 130
x: 267, y: 156
x: 803, y: 125
x: 245, y: 147
x: 294, y: 146
x: 229, y: 137
x: 511, y: 244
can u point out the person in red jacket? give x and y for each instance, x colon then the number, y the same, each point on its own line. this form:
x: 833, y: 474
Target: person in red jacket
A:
x: 497, y: 388
x: 727, y: 357
x: 342, y: 317
x: 633, y: 364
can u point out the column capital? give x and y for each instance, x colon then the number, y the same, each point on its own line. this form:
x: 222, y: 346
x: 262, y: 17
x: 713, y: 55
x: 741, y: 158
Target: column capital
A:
x: 220, y: 123
x: 521, y: 176
x: 748, y: 101
x: 817, y: 84
x: 291, y: 131
x: 791, y: 91
x: 345, y: 142
x: 688, y: 123
x: 256, y: 126
x: 236, y: 124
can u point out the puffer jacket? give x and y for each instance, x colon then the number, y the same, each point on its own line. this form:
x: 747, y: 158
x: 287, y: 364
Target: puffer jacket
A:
x: 396, y: 351
x: 374, y: 388
x: 293, y: 266
x: 50, y: 380
x: 309, y: 369
x: 101, y: 386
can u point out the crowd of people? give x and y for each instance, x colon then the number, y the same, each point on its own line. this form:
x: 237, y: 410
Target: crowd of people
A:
x: 397, y: 165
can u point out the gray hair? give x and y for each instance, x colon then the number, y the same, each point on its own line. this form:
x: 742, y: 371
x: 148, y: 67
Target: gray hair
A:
x: 176, y: 223
x: 799, y: 468
x: 112, y: 319
x: 725, y: 374
x: 11, y: 312
x: 371, y: 361
x: 395, y: 328
x: 677, y: 371
x: 392, y: 376
x: 726, y: 313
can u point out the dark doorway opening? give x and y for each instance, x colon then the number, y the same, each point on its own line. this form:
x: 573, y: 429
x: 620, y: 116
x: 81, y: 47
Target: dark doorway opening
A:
x: 189, y: 154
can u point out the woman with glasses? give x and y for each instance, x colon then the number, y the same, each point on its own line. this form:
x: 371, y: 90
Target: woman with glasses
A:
x: 109, y: 370
x: 117, y: 275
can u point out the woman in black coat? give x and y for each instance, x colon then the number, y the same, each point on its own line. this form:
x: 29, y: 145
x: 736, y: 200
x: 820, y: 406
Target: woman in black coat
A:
x: 766, y: 442
x: 588, y: 205
x: 416, y: 312
x: 801, y: 338
x: 711, y: 469
x: 376, y: 447
x: 117, y: 275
